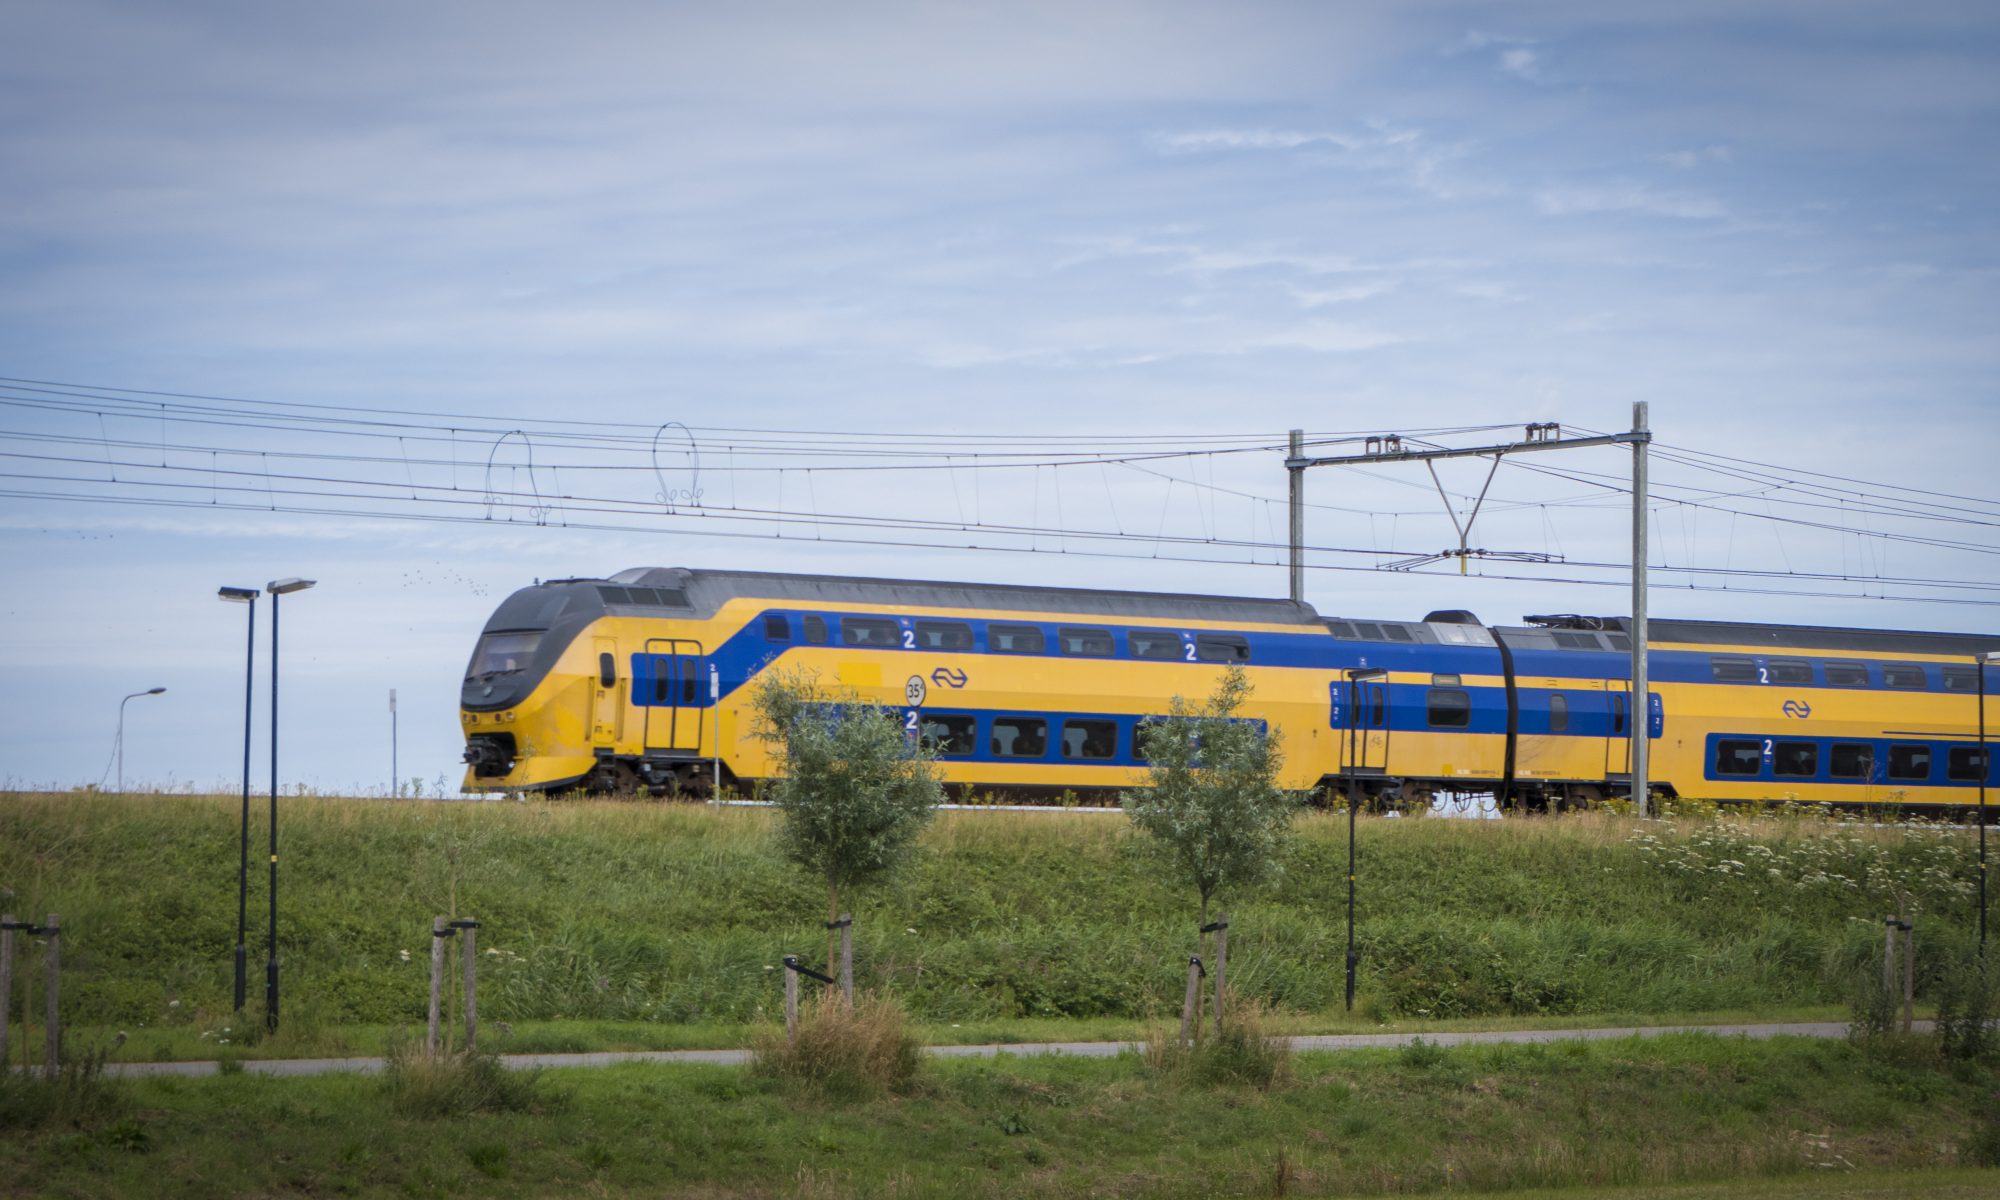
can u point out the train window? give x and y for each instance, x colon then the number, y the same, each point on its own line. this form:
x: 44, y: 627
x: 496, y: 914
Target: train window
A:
x: 1450, y: 707
x: 1020, y: 737
x: 690, y: 676
x: 777, y: 627
x: 1085, y: 643
x: 816, y: 630
x: 1090, y: 739
x: 1846, y: 674
x: 1151, y: 643
x: 1015, y: 639
x: 949, y: 735
x: 1732, y: 670
x: 1910, y: 762
x: 1558, y: 712
x: 1790, y: 670
x: 944, y: 635
x: 1617, y: 714
x: 1342, y: 629
x: 1397, y: 633
x: 1733, y: 757
x: 1368, y: 631
x: 1961, y: 679
x: 1795, y: 758
x: 1965, y: 764
x: 1221, y: 647
x: 1903, y: 675
x: 1618, y: 641
x: 868, y: 631
x: 607, y: 670
x: 1575, y: 641
x: 1852, y: 760
x: 498, y: 652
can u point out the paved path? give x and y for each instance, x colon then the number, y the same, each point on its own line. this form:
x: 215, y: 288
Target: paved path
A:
x: 731, y: 1058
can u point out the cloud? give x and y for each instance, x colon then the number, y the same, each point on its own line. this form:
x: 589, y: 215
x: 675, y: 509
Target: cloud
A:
x: 1688, y: 160
x: 1627, y: 197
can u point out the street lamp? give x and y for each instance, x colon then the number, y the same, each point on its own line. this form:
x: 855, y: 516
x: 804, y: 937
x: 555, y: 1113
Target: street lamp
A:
x: 1356, y: 676
x: 1980, y: 662
x: 244, y: 596
x: 277, y: 588
x: 118, y: 743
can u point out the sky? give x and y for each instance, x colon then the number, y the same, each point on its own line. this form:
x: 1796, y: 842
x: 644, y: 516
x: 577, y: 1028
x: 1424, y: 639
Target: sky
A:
x: 1079, y: 226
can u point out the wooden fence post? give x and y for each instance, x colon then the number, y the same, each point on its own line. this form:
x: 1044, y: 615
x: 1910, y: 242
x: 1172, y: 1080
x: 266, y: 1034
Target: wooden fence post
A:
x: 469, y: 932
x: 1192, y: 1001
x: 1221, y: 964
x: 437, y: 980
x: 1909, y: 975
x: 6, y: 984
x: 54, y: 931
x: 847, y: 958
x: 1889, y: 961
x: 791, y: 1003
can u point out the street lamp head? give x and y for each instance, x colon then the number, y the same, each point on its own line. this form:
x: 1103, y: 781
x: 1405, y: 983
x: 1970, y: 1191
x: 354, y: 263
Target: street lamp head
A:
x: 154, y: 691
x: 237, y: 595
x: 285, y: 587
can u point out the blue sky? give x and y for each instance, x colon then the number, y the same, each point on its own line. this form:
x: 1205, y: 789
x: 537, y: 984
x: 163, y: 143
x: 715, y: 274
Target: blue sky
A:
x: 1772, y: 221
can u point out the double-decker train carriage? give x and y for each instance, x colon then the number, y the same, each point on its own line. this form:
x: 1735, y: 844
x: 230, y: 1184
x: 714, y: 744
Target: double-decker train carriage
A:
x: 646, y: 681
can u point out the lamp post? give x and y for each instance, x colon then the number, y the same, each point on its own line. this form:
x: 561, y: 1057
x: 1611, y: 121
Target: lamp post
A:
x: 247, y: 597
x: 1980, y: 662
x: 118, y: 743
x: 1356, y: 676
x: 277, y: 588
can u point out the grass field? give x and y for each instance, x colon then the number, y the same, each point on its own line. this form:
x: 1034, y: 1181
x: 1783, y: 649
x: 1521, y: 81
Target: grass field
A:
x: 658, y: 926
x: 1738, y: 1118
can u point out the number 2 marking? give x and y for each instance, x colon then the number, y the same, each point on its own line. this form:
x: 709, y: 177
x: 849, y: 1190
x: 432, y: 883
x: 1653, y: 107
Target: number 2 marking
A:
x: 1190, y: 651
x: 1767, y: 747
x: 1763, y: 673
x: 910, y: 720
x: 909, y: 639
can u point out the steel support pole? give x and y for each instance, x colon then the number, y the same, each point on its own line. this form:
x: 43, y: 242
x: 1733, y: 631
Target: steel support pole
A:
x: 1641, y: 723
x: 243, y: 856
x: 271, y: 958
x: 1296, y: 512
x: 1985, y: 769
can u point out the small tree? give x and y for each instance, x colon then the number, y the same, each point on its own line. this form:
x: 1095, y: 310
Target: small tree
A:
x: 1214, y: 809
x: 852, y: 792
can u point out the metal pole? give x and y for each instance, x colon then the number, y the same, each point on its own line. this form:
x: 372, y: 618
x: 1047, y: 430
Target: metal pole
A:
x: 271, y: 959
x: 1985, y: 769
x: 395, y: 773
x: 1353, y: 720
x: 7, y: 925
x: 243, y: 858
x: 1642, y: 706
x: 1296, y: 509
x: 118, y: 744
x: 438, y: 935
x: 54, y: 983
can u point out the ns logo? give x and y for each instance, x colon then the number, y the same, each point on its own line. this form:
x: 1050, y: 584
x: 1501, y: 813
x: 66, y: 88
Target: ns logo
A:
x: 1798, y: 708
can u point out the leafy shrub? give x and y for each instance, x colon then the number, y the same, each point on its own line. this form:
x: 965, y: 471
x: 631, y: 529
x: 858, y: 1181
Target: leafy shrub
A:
x: 842, y: 1052
x: 421, y: 1084
x: 79, y: 1093
x: 1965, y: 994
x: 1245, y: 1051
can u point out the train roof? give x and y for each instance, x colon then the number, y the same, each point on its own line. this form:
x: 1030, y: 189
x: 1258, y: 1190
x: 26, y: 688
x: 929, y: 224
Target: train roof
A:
x: 706, y: 590
x: 1571, y: 632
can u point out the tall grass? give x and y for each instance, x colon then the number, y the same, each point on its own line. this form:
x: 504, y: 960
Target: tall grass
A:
x: 679, y: 914
x: 849, y: 1052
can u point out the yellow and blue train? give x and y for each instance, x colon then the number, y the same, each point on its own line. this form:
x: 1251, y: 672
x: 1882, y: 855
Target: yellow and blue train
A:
x: 645, y: 681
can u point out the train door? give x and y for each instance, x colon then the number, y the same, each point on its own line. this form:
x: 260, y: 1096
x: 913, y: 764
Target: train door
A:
x: 676, y: 680
x: 1618, y: 743
x: 1360, y: 717
x: 607, y: 707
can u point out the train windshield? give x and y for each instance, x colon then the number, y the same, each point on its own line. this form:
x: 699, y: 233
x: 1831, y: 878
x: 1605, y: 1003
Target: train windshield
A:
x: 499, y: 652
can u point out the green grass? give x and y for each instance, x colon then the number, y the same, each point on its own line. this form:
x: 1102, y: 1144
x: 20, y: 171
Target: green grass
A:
x: 1693, y: 1114
x: 620, y: 925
